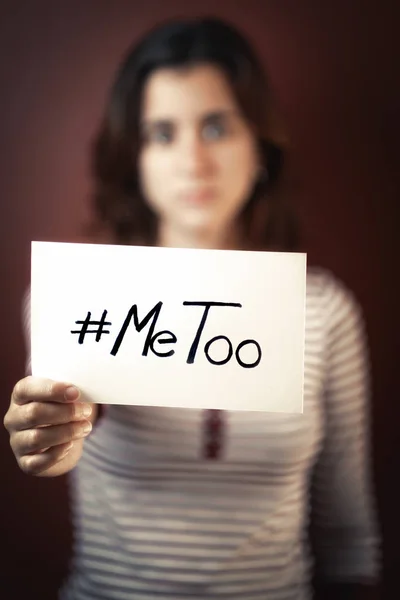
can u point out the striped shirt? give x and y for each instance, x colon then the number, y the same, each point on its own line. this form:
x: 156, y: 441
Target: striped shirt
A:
x: 156, y: 518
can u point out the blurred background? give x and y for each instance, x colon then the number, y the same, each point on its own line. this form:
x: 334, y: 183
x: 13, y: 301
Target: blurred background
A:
x: 335, y: 71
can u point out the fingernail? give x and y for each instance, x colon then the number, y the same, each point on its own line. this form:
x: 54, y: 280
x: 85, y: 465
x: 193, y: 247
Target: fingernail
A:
x: 87, y: 427
x: 87, y: 410
x: 83, y: 430
x: 66, y: 451
x: 71, y: 394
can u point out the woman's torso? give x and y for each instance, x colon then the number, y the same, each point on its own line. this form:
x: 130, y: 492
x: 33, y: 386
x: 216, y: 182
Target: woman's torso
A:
x: 154, y: 518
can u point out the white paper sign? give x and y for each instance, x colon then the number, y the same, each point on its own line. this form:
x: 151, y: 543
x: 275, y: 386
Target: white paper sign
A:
x: 171, y: 327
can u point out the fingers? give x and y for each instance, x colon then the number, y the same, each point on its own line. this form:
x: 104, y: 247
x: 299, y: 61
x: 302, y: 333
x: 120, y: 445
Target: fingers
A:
x: 34, y: 464
x: 32, y: 441
x: 36, y: 414
x: 31, y: 389
x: 44, y: 419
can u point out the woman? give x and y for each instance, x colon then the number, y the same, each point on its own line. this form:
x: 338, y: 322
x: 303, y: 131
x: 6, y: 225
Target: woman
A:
x: 172, y: 503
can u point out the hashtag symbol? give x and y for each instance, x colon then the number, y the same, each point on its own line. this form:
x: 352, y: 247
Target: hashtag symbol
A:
x: 88, y: 323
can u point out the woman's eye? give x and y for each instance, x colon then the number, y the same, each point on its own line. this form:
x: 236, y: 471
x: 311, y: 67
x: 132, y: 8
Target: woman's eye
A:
x: 162, y: 136
x: 214, y: 131
x: 158, y: 134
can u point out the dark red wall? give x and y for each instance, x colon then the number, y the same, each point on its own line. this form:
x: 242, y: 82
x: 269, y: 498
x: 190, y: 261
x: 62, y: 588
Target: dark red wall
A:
x: 335, y: 69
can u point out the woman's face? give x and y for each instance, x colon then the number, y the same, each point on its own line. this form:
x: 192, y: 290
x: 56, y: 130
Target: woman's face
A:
x: 199, y: 161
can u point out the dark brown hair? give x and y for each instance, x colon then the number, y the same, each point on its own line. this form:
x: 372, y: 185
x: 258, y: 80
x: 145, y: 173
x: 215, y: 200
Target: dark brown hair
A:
x: 116, y: 198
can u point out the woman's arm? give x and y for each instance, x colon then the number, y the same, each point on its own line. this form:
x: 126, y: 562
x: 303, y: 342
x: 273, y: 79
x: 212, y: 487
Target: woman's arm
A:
x: 344, y: 530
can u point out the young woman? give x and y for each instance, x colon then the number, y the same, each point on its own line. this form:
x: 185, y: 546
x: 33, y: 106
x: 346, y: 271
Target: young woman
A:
x: 172, y: 503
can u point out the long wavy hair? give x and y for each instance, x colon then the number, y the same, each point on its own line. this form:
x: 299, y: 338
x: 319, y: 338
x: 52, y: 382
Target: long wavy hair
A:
x: 117, y: 202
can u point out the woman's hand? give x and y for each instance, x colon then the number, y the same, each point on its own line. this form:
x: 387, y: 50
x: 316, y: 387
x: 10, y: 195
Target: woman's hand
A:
x: 47, y: 425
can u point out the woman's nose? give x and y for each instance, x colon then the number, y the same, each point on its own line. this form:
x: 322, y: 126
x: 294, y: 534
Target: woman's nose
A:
x: 195, y: 156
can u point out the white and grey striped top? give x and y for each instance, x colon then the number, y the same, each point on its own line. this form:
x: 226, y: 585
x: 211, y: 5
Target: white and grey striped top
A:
x: 155, y: 519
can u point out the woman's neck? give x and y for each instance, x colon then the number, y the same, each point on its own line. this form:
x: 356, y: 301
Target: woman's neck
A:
x: 169, y: 237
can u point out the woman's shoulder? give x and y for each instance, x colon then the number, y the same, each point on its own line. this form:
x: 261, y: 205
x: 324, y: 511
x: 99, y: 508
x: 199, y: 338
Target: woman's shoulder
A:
x: 331, y: 294
x: 324, y: 283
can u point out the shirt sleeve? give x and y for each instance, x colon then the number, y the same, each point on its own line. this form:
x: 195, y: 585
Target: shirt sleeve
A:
x: 344, y: 525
